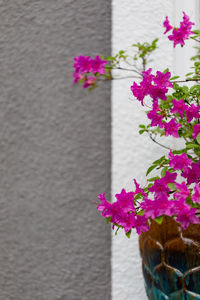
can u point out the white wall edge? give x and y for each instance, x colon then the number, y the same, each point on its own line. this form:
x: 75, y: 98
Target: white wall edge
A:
x: 132, y: 21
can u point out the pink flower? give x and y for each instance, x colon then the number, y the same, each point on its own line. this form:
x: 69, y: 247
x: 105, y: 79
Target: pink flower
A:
x: 116, y: 213
x: 155, y: 106
x: 156, y: 120
x: 141, y: 224
x: 171, y: 128
x: 109, y: 209
x: 77, y: 76
x: 146, y: 87
x: 162, y: 82
x: 139, y: 92
x: 146, y: 83
x: 179, y: 205
x: 187, y: 216
x: 157, y: 208
x: 104, y: 206
x: 147, y: 75
x: 169, y: 177
x: 162, y: 79
x: 142, y: 90
x: 179, y: 35
x: 183, y: 191
x: 192, y: 174
x: 89, y: 81
x: 178, y: 162
x: 167, y: 25
x: 138, y: 189
x: 125, y: 201
x: 186, y: 26
x: 158, y: 92
x: 192, y: 112
x: 82, y: 64
x: 149, y: 207
x: 196, y: 130
x: 196, y: 195
x: 160, y: 189
x: 161, y: 205
x: 98, y: 65
x: 179, y: 107
x: 127, y: 221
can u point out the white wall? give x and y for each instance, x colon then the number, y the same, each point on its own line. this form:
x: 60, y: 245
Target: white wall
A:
x: 132, y: 21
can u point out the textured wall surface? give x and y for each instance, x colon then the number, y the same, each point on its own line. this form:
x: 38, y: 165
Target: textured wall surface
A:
x: 133, y: 21
x: 54, y: 152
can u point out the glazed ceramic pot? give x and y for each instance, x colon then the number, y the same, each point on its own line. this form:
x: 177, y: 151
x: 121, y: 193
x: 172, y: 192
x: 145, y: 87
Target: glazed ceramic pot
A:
x: 171, y: 261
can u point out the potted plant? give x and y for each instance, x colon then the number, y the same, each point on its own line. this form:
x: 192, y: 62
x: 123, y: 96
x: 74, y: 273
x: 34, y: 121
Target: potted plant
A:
x: 164, y: 212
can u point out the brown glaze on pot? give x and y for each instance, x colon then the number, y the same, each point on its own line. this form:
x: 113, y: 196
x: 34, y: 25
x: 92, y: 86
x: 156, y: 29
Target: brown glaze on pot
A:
x: 171, y: 261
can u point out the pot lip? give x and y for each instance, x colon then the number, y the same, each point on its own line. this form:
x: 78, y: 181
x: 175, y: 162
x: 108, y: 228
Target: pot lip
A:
x: 170, y: 227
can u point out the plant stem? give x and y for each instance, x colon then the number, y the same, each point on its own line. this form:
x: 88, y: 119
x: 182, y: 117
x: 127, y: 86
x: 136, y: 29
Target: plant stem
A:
x: 153, y: 139
x: 187, y: 80
x: 195, y: 39
x: 126, y: 69
x: 125, y: 77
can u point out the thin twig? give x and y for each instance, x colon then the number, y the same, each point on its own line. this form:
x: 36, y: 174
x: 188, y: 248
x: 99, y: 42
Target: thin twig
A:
x: 126, y: 77
x: 175, y: 81
x: 118, y: 78
x: 125, y: 69
x: 153, y: 139
x: 195, y: 39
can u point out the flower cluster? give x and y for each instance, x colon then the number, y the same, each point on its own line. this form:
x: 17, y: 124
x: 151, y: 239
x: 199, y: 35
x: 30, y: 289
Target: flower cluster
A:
x: 87, y: 68
x: 122, y: 212
x: 174, y: 111
x: 168, y: 119
x: 184, y: 111
x: 176, y: 192
x: 179, y: 35
x: 154, y: 86
x: 174, y: 199
x: 166, y: 196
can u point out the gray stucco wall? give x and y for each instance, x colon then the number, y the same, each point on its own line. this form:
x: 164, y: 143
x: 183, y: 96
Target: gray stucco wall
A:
x: 54, y: 152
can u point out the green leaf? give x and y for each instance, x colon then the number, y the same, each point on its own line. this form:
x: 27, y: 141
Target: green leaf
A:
x: 196, y: 32
x: 191, y: 146
x: 188, y: 74
x: 179, y: 151
x: 142, y: 131
x: 154, y: 44
x: 149, y: 185
x: 198, y: 138
x: 153, y: 178
x: 195, y: 89
x: 164, y: 171
x: 159, y: 161
x: 196, y: 77
x: 174, y: 77
x: 150, y: 169
x: 117, y: 230
x: 110, y: 58
x: 108, y: 220
x: 141, y: 126
x: 128, y: 234
x: 159, y: 220
x: 140, y: 213
x: 171, y: 186
x: 166, y: 70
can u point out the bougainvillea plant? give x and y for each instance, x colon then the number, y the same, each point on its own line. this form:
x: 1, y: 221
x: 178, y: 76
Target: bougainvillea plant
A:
x: 174, y: 110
